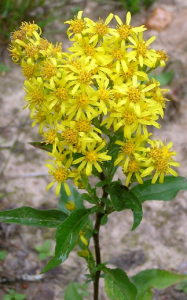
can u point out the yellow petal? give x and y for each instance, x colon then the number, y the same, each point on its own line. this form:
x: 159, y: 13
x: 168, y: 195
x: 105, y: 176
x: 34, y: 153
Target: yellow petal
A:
x: 58, y: 187
x: 50, y: 185
x: 161, y: 179
x: 141, y: 60
x: 67, y: 189
x: 128, y: 178
x: 139, y: 178
x: 109, y: 18
x: 89, y: 169
x: 150, y: 40
x: 128, y: 18
x: 155, y: 177
x: 97, y: 166
x: 118, y: 20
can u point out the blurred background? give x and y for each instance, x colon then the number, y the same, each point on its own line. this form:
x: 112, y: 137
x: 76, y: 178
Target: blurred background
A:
x: 161, y: 239
x: 50, y: 15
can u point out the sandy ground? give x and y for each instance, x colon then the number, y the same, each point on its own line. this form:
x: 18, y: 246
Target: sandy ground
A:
x: 161, y: 239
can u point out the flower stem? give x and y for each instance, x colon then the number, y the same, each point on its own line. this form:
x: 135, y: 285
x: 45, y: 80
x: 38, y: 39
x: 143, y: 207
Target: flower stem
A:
x: 99, y: 216
x: 97, y: 254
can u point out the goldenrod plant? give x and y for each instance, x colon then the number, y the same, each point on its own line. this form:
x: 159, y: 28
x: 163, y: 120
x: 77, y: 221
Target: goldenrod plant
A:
x: 95, y: 107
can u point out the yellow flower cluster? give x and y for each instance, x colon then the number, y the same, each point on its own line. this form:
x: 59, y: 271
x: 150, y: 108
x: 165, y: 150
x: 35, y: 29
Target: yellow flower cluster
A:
x: 99, y: 88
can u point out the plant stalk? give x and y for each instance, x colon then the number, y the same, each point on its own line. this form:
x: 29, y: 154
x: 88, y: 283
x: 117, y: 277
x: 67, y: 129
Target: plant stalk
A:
x: 99, y: 216
x: 97, y: 254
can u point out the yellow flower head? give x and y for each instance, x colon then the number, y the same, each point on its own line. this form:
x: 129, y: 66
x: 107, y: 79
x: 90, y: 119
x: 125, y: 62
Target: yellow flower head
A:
x: 92, y: 157
x: 70, y: 205
x: 160, y: 161
x: 76, y: 26
x: 95, y: 103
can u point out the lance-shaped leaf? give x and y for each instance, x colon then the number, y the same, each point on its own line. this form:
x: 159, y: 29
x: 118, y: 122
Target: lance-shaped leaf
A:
x: 165, y: 191
x: 33, y: 217
x: 75, y: 197
x: 64, y: 198
x: 66, y: 236
x: 118, y: 286
x: 123, y: 198
x: 154, y: 278
x: 164, y: 78
x: 42, y: 146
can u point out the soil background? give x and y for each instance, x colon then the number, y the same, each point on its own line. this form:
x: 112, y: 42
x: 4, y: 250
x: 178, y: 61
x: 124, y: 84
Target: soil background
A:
x: 160, y: 241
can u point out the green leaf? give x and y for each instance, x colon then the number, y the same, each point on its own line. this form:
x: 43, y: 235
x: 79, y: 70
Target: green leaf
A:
x: 106, y: 201
x: 154, y: 278
x: 33, y: 217
x: 100, y: 183
x: 71, y: 293
x: 7, y: 297
x: 38, y: 248
x: 164, y: 78
x: 118, y: 286
x: 43, y: 146
x: 104, y: 220
x: 44, y: 250
x: 160, y: 191
x: 19, y: 296
x: 14, y: 296
x: 75, y: 197
x: 147, y: 296
x: 43, y: 255
x: 3, y: 255
x: 66, y: 236
x: 46, y: 246
x: 75, y: 291
x: 180, y: 286
x: 4, y: 68
x: 88, y: 198
x: 123, y: 198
